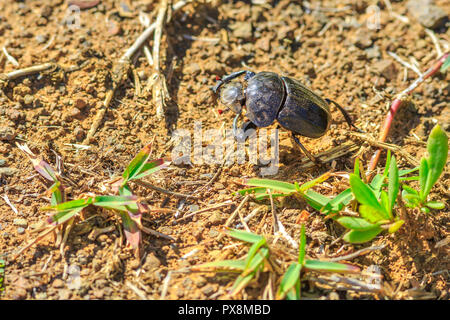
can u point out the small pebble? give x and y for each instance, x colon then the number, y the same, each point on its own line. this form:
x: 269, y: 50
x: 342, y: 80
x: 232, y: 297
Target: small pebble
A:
x: 20, y: 230
x: 7, y: 133
x: 58, y: 283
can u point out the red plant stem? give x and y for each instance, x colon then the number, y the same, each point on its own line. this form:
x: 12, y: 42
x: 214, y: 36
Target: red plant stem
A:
x: 398, y: 102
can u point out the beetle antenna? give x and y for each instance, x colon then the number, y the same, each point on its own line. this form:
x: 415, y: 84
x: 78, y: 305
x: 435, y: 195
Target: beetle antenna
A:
x: 346, y: 115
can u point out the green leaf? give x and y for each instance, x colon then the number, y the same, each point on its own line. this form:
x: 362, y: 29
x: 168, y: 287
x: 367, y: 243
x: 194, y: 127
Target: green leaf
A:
x: 69, y: 205
x: 314, y: 182
x: 372, y: 214
x: 395, y: 226
x: 388, y: 164
x: 410, y: 190
x: 423, y: 175
x: 137, y: 164
x: 356, y: 169
x: 365, y: 196
x: 119, y: 203
x: 376, y: 184
x: 238, y: 265
x: 289, y: 280
x: 241, y: 282
x: 337, y: 203
x: 394, y: 185
x: 257, y: 262
x: 302, y: 246
x: 445, y: 65
x: 363, y: 193
x: 253, y: 250
x: 284, y: 187
x: 315, y: 200
x: 437, y: 146
x: 385, y: 201
x: 149, y: 168
x: 326, y: 266
x: 356, y: 223
x: 402, y: 173
x: 57, y: 193
x: 245, y: 236
x: 63, y: 216
x: 355, y: 236
x: 425, y: 210
x: 435, y: 205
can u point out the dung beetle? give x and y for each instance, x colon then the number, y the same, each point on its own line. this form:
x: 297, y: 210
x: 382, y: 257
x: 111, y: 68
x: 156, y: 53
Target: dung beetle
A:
x: 269, y: 97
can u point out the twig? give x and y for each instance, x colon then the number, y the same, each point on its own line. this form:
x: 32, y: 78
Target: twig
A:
x: 388, y: 146
x: 435, y: 42
x: 159, y: 87
x: 137, y: 291
x: 404, y: 63
x: 398, y: 102
x: 119, y: 74
x: 5, y: 197
x: 165, y: 285
x: 27, y: 71
x: 235, y: 213
x: 216, y: 206
x: 357, y: 253
x: 10, y: 58
x: 156, y: 233
x: 172, y: 193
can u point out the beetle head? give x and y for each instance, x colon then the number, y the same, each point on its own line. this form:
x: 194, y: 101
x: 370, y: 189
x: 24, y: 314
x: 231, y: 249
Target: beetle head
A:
x: 232, y: 96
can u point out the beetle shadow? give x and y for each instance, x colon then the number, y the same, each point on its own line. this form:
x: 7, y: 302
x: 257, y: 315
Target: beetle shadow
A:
x: 185, y: 30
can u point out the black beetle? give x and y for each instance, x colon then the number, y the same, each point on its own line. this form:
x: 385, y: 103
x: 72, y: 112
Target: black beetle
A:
x: 269, y: 97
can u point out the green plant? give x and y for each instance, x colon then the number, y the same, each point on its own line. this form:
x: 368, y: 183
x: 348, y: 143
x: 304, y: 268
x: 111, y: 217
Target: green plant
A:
x: 291, y: 281
x: 376, y: 201
x: 259, y: 259
x: 430, y: 170
x: 2, y: 275
x: 256, y: 261
x: 125, y: 204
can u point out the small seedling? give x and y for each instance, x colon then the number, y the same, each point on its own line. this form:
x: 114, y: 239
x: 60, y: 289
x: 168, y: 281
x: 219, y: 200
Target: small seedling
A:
x: 126, y: 205
x: 291, y: 282
x: 375, y: 201
x: 259, y: 259
x: 430, y: 170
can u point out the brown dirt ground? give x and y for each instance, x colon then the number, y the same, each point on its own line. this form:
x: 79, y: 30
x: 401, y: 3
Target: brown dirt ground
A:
x: 341, y: 62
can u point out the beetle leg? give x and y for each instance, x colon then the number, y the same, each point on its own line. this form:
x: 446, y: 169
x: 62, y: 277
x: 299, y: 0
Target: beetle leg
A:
x: 305, y: 151
x: 230, y: 77
x: 235, y: 123
x: 248, y: 125
x: 346, y: 115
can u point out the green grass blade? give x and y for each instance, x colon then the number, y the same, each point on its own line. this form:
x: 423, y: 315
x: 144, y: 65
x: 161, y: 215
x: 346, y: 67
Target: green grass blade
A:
x: 435, y: 205
x: 257, y: 262
x: 315, y: 200
x: 63, y: 216
x: 137, y: 163
x: 149, y: 168
x: 445, y: 65
x: 355, y: 236
x: 253, y: 250
x: 226, y: 265
x: 314, y: 182
x: 402, y: 173
x: 289, y: 280
x: 326, y: 266
x: 423, y: 176
x: 119, y: 203
x: 437, y: 146
x: 241, y: 282
x: 355, y: 223
x: 365, y: 195
x: 244, y: 236
x: 371, y: 214
x: 302, y: 246
x: 281, y: 186
x: 337, y: 203
x: 394, y: 185
x: 69, y: 205
x: 356, y: 169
